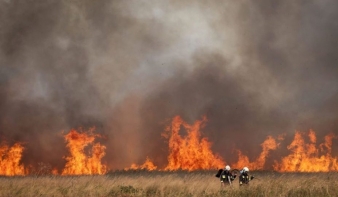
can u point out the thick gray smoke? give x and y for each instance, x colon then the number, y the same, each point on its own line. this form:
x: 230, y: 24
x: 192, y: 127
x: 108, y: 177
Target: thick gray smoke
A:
x: 127, y: 67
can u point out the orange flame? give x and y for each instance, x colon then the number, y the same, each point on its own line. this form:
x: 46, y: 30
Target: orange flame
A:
x: 10, y: 160
x: 78, y: 163
x: 147, y: 165
x: 54, y: 171
x: 193, y: 153
x: 243, y: 160
x: 190, y: 152
x: 305, y: 157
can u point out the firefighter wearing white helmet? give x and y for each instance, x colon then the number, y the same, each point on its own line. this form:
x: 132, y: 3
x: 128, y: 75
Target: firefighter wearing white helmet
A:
x: 244, y: 177
x: 226, y: 176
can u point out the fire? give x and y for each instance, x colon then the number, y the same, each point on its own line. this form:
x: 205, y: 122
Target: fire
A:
x: 147, y: 165
x: 193, y: 152
x: 185, y: 152
x: 10, y: 160
x: 78, y: 163
x: 55, y: 171
x: 243, y: 160
x: 306, y: 157
x: 190, y: 152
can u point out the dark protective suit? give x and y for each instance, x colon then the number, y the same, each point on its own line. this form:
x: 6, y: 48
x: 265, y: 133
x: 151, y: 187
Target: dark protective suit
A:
x: 244, y: 178
x: 226, y: 177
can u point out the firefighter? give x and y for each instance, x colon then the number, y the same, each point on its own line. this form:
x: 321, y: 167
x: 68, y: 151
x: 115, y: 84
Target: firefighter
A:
x: 226, y: 176
x: 244, y: 177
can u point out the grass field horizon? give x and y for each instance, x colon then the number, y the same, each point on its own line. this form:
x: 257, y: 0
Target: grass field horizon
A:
x: 164, y: 183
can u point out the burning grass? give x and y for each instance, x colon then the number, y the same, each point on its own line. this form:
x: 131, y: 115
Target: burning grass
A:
x: 189, y: 152
x: 176, y: 184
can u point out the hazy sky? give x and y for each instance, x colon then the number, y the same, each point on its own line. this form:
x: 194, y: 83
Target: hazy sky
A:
x: 254, y: 68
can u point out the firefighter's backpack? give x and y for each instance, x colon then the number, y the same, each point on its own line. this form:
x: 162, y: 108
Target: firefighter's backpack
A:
x: 219, y: 173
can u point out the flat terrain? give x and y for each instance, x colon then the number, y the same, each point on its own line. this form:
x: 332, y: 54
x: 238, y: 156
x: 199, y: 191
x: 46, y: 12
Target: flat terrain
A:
x: 142, y: 183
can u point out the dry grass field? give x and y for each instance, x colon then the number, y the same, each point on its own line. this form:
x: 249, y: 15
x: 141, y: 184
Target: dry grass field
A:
x: 176, y: 184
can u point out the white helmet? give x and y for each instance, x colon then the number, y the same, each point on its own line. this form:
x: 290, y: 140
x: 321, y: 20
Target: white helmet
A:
x: 227, y: 167
x: 246, y: 169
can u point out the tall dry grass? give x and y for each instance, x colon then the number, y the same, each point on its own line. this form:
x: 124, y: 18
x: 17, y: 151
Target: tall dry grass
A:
x: 176, y: 184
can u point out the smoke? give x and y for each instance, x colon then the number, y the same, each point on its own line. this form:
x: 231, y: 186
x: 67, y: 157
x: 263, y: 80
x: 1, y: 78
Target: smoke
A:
x: 127, y: 67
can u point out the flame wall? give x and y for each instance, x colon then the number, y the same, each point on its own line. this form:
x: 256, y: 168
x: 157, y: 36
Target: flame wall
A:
x: 253, y: 68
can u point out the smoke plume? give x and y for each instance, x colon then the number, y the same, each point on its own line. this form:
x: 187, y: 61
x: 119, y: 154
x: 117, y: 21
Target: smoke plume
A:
x: 127, y: 67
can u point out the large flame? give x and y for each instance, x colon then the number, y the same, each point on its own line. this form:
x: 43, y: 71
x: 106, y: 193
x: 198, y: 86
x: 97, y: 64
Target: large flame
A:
x: 306, y: 157
x: 186, y: 153
x: 243, y: 160
x: 190, y: 152
x: 193, y: 153
x: 78, y: 163
x: 10, y: 160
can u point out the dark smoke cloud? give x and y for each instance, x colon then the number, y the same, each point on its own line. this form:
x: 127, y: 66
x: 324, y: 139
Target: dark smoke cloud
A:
x: 253, y: 68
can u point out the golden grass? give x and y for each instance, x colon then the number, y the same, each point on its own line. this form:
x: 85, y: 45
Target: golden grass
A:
x: 175, y: 184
